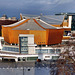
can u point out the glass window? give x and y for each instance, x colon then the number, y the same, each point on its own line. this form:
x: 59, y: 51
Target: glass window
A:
x: 24, y: 38
x: 24, y: 48
x: 73, y: 23
x: 24, y: 52
x: 41, y: 51
x: 58, y: 51
x: 32, y: 58
x: 55, y: 57
x: 52, y: 51
x: 16, y: 49
x: 23, y: 44
x: 11, y: 49
x: 2, y: 41
x: 44, y: 50
x: 3, y: 48
x: 37, y: 51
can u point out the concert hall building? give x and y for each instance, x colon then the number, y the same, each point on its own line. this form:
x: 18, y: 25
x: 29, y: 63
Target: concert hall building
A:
x: 34, y: 36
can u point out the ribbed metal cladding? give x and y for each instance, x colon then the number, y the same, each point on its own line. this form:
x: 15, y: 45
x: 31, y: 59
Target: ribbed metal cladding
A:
x: 53, y: 19
x: 30, y: 25
x: 46, y: 26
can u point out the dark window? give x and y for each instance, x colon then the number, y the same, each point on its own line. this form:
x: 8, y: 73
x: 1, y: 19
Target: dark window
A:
x: 32, y: 58
x: 58, y: 51
x: 73, y: 23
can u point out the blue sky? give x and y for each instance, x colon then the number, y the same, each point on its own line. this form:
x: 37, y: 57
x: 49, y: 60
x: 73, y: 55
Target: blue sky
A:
x: 47, y: 7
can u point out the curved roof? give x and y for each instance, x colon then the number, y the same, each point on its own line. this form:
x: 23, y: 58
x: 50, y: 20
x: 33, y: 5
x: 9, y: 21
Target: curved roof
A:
x: 30, y: 25
x: 53, y: 19
x: 33, y: 24
x: 14, y: 24
x: 50, y: 19
x: 45, y: 25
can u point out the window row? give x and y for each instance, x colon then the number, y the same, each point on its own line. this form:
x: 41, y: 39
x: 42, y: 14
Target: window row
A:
x: 10, y: 49
x: 24, y: 48
x: 24, y: 43
x: 23, y: 38
x: 52, y: 51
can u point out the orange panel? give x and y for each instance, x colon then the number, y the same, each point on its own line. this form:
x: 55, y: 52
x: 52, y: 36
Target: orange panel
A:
x: 5, y: 33
x: 56, y: 25
x: 54, y: 36
x: 15, y: 35
x: 39, y: 36
x: 66, y: 37
x: 67, y: 29
x: 51, y: 36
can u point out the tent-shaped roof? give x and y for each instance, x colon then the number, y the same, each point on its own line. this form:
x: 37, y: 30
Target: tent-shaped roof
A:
x: 33, y: 24
x: 29, y: 25
x: 50, y: 19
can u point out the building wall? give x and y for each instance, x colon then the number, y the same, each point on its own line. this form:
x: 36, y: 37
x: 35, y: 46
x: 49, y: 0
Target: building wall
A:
x: 48, y: 37
x: 12, y: 35
x: 41, y: 37
x: 15, y: 35
x: 7, y: 32
x: 54, y: 36
x: 31, y: 50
